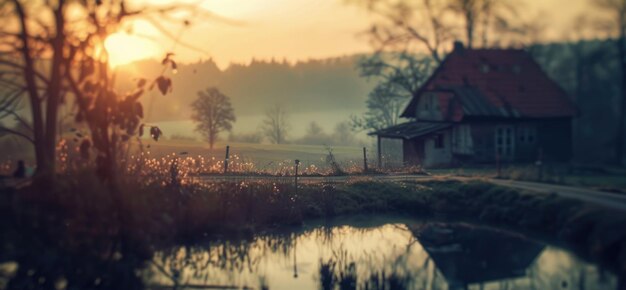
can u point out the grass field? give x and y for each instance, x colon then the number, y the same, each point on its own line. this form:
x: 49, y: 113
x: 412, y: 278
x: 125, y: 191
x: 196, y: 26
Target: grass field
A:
x: 263, y: 156
x: 278, y: 158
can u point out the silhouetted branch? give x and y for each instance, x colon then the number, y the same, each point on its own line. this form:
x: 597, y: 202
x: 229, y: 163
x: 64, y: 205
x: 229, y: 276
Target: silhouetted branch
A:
x: 17, y: 133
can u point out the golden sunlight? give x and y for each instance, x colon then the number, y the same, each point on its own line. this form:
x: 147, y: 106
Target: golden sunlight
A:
x: 124, y: 48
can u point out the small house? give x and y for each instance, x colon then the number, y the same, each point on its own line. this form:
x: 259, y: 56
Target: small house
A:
x: 484, y: 106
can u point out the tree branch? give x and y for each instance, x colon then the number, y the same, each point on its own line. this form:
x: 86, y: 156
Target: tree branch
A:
x: 17, y: 133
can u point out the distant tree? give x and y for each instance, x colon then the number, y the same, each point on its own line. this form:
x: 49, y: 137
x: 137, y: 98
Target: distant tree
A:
x: 343, y: 134
x: 315, y: 135
x: 400, y: 78
x: 213, y: 113
x: 314, y: 129
x: 275, y: 124
x: 616, y: 25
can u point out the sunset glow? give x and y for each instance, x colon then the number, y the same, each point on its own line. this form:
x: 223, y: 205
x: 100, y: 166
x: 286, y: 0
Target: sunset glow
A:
x: 125, y: 48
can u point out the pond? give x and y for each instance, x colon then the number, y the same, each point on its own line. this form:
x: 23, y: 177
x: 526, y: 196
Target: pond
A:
x: 376, y: 253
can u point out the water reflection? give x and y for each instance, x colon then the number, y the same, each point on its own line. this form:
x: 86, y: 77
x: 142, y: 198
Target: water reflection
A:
x: 466, y: 255
x: 365, y: 253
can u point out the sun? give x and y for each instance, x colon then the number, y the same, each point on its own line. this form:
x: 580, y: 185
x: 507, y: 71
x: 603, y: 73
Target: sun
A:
x: 125, y: 48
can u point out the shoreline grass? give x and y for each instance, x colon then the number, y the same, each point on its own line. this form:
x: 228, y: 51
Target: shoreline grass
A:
x: 79, y: 213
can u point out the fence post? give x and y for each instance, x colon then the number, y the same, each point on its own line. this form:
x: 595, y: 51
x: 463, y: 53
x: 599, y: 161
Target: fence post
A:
x: 296, y: 178
x: 226, y: 159
x: 380, y: 153
x: 364, y: 160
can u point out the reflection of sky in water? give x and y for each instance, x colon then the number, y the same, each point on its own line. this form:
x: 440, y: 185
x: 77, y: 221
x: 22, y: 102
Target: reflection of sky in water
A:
x: 391, y: 248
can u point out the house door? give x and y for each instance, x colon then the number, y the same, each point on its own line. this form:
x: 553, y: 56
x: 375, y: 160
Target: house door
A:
x: 505, y: 142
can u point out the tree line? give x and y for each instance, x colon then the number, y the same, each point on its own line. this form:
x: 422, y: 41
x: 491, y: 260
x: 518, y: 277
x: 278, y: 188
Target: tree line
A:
x: 213, y: 114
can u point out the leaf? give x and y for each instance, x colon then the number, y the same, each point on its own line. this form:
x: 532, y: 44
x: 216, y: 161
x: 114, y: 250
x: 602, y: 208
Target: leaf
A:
x: 167, y: 58
x: 155, y: 133
x: 141, y: 83
x: 164, y: 84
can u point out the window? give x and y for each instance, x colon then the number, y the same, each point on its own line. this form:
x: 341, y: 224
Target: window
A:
x: 430, y: 103
x: 462, y: 139
x: 505, y: 142
x: 527, y: 134
x: 439, y: 144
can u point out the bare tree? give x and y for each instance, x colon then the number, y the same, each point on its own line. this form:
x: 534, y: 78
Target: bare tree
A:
x: 432, y: 25
x: 487, y: 16
x: 400, y: 78
x: 410, y: 25
x: 315, y: 135
x: 314, y: 129
x: 214, y: 113
x: 470, y: 10
x: 343, y: 134
x: 275, y: 124
x: 55, y: 60
x: 617, y: 27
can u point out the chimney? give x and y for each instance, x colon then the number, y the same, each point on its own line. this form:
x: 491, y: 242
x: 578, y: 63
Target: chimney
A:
x: 458, y: 46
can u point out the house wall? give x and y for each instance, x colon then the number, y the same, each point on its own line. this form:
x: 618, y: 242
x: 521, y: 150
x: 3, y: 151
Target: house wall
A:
x: 483, y: 142
x: 529, y: 138
x: 555, y: 139
x: 438, y: 157
x: 413, y: 151
x: 462, y: 142
x: 429, y: 108
x: 527, y: 141
x: 392, y: 152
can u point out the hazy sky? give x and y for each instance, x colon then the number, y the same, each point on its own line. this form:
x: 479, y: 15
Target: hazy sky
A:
x: 295, y: 30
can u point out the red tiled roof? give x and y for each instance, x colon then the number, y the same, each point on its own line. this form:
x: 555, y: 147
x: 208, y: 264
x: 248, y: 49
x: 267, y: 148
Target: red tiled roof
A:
x: 508, y: 81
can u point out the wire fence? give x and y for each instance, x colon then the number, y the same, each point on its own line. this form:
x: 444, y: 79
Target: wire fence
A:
x: 226, y: 165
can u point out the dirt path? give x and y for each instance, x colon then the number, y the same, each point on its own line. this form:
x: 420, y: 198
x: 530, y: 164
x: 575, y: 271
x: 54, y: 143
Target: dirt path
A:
x: 609, y: 200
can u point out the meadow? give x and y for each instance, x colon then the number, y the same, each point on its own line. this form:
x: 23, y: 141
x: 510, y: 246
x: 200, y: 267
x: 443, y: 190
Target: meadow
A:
x: 262, y: 154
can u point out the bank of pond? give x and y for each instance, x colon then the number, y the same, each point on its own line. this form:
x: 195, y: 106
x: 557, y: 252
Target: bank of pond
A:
x: 364, y: 235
